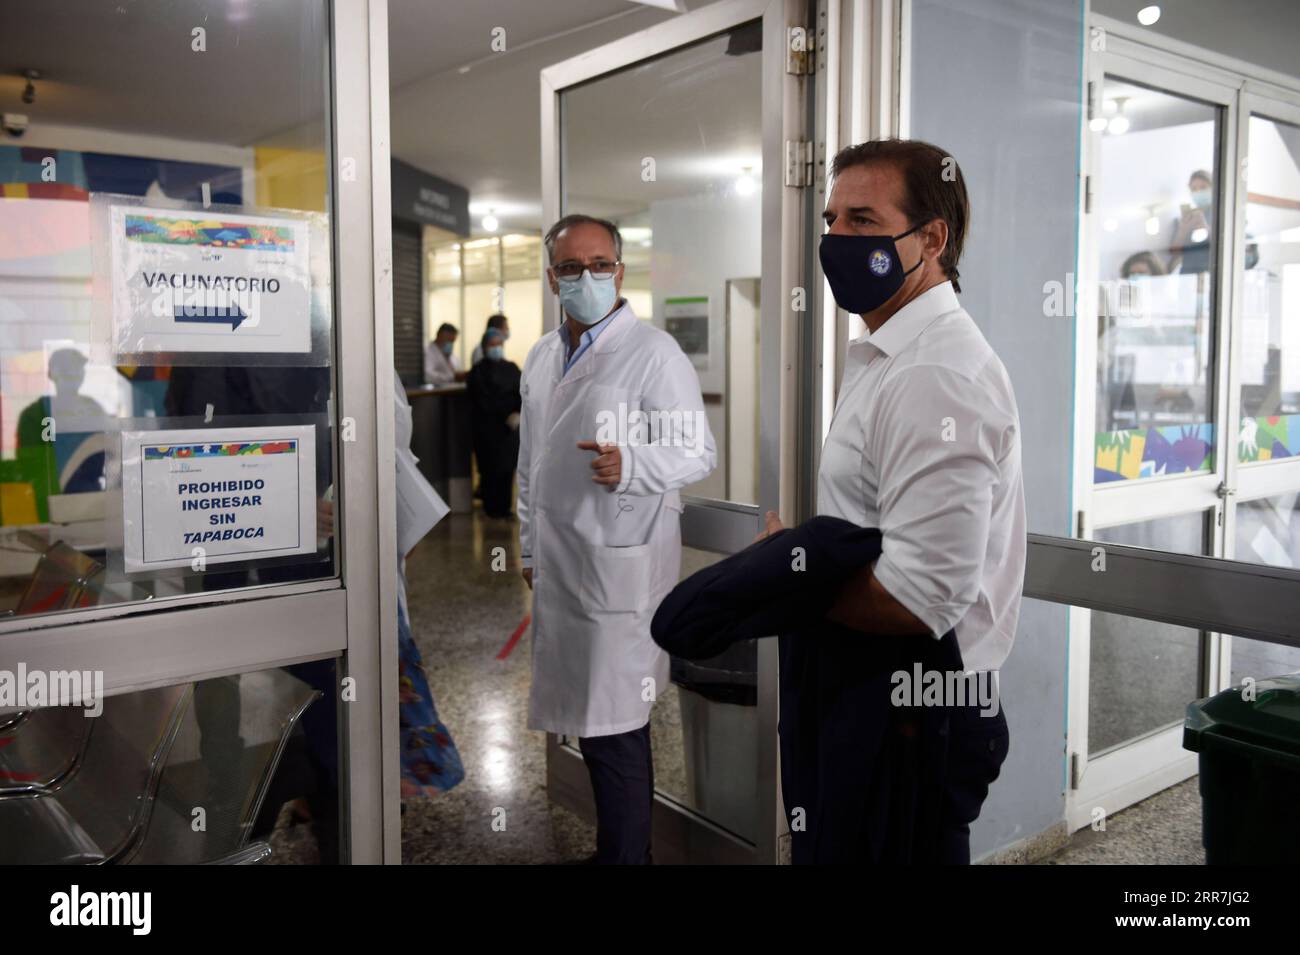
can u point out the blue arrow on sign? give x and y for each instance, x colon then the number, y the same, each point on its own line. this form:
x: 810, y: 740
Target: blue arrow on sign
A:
x: 217, y: 315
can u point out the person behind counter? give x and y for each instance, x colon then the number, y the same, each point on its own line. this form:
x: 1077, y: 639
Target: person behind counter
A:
x: 494, y: 407
x: 441, y: 366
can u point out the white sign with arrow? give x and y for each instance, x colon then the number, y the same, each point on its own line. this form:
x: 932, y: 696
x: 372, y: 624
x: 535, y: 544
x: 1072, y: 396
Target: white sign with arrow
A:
x: 196, y: 280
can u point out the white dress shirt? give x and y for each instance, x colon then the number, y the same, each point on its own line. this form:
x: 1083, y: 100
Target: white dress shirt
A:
x: 925, y: 445
x: 439, y: 369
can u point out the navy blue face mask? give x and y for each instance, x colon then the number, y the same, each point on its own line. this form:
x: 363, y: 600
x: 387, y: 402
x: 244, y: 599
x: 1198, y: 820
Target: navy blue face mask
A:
x: 864, y: 270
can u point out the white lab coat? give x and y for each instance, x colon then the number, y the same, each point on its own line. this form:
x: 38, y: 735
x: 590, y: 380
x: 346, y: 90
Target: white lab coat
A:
x: 603, y: 560
x: 439, y: 369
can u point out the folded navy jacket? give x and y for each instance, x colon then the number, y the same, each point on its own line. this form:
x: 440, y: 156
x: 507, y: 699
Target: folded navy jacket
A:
x: 773, y: 586
x: 862, y: 780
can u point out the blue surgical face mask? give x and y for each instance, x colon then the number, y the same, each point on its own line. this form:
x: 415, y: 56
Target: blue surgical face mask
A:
x: 494, y: 353
x: 1202, y: 198
x: 447, y: 347
x: 588, y: 299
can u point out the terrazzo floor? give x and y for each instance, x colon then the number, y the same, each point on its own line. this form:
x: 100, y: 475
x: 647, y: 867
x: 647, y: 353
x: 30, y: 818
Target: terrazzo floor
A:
x: 463, y: 612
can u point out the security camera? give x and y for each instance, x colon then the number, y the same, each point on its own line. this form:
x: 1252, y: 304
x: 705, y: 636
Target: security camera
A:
x: 15, y: 124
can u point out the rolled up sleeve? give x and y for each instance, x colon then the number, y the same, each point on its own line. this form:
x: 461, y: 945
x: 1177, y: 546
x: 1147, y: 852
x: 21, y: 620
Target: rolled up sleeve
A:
x: 935, y: 438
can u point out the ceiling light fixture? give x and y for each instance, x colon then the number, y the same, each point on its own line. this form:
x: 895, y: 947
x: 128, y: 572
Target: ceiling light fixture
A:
x: 490, y: 222
x: 675, y: 6
x: 745, y: 185
x: 1119, y: 123
x: 1148, y: 15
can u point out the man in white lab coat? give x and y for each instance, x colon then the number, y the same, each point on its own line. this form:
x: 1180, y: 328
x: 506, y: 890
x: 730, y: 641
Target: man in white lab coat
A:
x: 441, y: 366
x: 612, y: 427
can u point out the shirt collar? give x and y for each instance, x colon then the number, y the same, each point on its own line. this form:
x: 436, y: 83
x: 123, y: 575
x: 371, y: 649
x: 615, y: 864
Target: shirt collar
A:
x: 912, y: 319
x: 593, y: 331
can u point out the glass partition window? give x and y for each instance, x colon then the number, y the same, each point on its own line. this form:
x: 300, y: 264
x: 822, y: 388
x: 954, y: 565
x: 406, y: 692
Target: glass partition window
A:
x: 1156, y: 317
x: 472, y: 280
x: 1270, y: 339
x: 1267, y: 532
x: 165, y: 304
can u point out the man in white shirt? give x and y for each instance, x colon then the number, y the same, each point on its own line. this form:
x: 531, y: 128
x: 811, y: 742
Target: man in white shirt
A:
x: 441, y: 366
x: 925, y: 441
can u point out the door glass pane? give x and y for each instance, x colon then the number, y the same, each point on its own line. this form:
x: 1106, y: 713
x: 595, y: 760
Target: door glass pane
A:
x: 1270, y: 340
x: 1268, y: 532
x: 165, y: 303
x: 1157, y: 202
x: 704, y: 730
x: 1141, y: 673
x: 671, y: 151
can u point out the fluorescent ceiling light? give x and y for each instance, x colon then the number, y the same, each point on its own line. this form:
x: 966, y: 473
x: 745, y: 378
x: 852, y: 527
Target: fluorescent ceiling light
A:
x: 675, y: 6
x: 1148, y: 15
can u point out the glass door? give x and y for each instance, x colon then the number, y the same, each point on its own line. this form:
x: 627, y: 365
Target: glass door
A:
x: 1158, y: 242
x: 192, y: 513
x: 680, y: 135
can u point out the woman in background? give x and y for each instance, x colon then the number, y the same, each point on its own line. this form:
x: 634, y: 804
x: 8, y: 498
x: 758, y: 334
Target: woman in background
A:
x: 494, y: 402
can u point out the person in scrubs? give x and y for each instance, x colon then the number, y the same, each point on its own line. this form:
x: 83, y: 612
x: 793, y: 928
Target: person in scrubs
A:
x: 925, y: 441
x: 612, y: 427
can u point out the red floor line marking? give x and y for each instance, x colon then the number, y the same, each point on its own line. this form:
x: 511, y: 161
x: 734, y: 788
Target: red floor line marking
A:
x: 514, y: 637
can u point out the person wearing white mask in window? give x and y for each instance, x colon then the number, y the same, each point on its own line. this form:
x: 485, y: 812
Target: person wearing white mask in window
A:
x: 612, y: 428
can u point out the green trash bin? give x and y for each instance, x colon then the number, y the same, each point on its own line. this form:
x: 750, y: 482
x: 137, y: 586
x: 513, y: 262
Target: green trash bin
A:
x: 1249, y: 753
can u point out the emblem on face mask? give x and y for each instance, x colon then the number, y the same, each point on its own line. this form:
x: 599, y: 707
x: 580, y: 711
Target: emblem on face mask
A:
x: 880, y: 262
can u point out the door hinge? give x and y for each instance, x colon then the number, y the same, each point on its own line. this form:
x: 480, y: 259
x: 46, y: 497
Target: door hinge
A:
x: 798, y: 163
x: 1087, y: 194
x: 1074, y: 771
x: 800, y: 47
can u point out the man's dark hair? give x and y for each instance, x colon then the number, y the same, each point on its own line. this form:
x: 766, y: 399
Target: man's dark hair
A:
x: 570, y: 221
x: 496, y: 321
x: 933, y: 188
x: 448, y: 327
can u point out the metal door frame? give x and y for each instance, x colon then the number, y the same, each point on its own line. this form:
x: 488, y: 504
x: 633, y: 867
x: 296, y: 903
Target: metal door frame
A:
x: 681, y: 834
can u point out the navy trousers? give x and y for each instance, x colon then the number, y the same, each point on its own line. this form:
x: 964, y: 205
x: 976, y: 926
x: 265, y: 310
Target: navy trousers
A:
x: 623, y: 781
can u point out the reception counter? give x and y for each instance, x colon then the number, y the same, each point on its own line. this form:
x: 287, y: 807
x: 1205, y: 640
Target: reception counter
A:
x: 441, y: 440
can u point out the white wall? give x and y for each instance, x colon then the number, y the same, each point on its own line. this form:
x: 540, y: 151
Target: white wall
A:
x: 699, y: 243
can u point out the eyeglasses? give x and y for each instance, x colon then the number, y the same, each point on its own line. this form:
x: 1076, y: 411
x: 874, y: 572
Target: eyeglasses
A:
x: 570, y: 271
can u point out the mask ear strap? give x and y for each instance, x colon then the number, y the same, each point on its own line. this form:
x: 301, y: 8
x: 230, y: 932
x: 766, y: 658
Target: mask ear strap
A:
x: 904, y: 235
